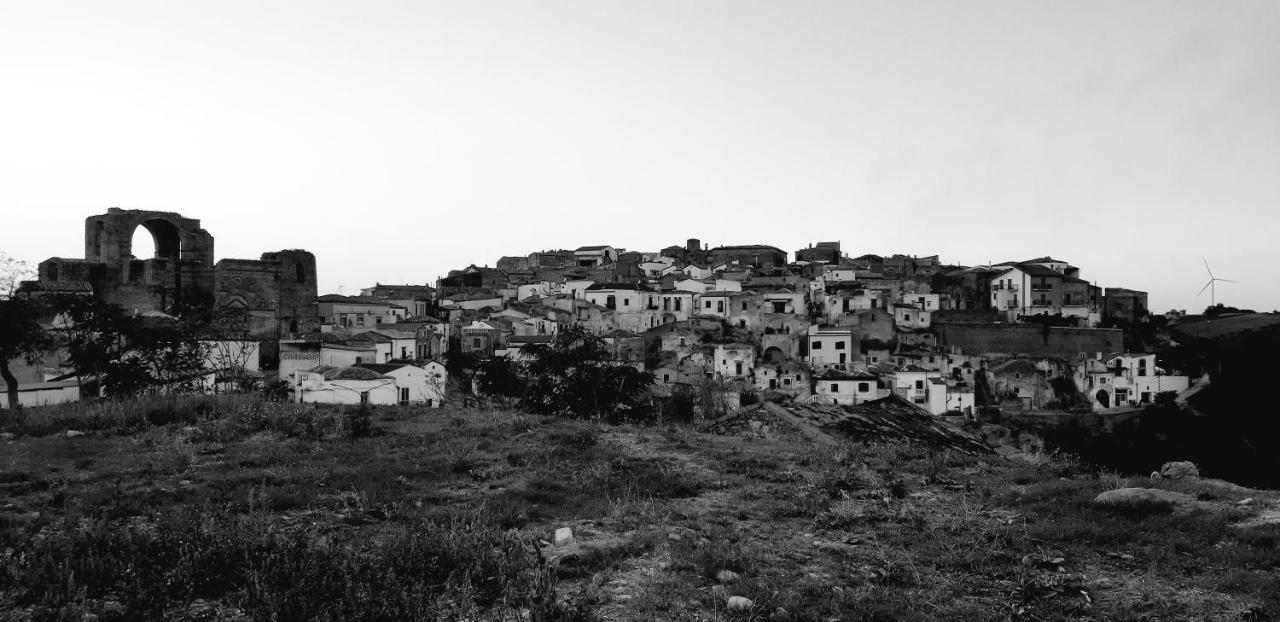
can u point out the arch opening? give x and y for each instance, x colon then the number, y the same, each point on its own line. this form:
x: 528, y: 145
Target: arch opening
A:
x: 161, y: 235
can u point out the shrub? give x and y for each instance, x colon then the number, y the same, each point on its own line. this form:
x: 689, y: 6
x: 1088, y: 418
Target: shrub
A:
x: 358, y: 423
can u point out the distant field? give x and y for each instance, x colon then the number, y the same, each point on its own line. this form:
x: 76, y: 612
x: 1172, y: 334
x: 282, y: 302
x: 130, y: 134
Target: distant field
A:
x: 233, y: 509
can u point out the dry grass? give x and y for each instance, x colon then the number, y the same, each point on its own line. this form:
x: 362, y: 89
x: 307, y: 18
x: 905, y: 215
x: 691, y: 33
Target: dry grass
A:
x: 229, y: 508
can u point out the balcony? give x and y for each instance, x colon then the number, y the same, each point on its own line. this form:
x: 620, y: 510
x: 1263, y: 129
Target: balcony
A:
x: 1041, y: 288
x: 1002, y: 287
x: 1012, y: 304
x: 1041, y: 304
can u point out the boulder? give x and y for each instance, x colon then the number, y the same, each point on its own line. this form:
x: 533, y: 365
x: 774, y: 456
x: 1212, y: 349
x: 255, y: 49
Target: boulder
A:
x: 740, y: 603
x: 1179, y: 470
x: 74, y: 433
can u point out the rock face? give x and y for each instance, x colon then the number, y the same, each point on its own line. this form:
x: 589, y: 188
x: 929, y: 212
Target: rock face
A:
x: 1179, y: 470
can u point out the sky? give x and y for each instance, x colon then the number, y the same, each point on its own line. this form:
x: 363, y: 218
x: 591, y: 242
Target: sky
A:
x: 397, y: 140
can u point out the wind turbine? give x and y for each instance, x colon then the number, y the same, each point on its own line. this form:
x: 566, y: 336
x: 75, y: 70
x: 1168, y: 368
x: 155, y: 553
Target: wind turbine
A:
x: 1213, y: 293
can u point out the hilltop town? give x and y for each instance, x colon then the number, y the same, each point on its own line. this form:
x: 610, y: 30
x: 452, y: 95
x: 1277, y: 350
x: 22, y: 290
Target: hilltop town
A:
x: 746, y: 323
x: 859, y: 438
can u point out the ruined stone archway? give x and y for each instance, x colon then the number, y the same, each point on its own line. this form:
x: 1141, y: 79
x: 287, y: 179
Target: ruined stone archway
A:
x: 109, y: 237
x: 774, y: 354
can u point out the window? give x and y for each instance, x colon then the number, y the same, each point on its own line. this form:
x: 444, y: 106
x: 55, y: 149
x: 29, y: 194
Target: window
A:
x: 864, y: 387
x: 708, y: 305
x: 359, y: 320
x: 720, y: 306
x: 919, y: 385
x: 678, y: 304
x: 359, y: 360
x: 666, y: 377
x: 817, y: 345
x: 475, y: 342
x: 835, y: 388
x: 626, y: 302
x: 404, y: 395
x: 786, y: 382
x: 744, y: 306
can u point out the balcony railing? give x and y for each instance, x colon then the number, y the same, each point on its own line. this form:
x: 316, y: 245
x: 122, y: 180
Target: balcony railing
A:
x: 1041, y: 288
x: 1041, y: 303
x: 1012, y: 304
x: 1002, y: 287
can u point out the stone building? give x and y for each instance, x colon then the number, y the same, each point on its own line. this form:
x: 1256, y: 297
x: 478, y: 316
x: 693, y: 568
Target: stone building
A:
x: 265, y: 299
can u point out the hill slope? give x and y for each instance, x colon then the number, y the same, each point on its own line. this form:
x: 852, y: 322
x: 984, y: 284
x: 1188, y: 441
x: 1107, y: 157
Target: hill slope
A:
x: 241, y: 510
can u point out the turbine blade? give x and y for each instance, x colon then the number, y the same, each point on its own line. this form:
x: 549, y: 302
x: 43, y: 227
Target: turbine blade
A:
x: 1226, y: 280
x: 1206, y: 286
x: 1206, y: 267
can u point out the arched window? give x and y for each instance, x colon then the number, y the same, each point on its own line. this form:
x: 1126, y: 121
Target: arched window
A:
x: 98, y: 226
x: 301, y: 272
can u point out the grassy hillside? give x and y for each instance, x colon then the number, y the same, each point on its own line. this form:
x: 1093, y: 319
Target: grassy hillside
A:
x: 231, y: 509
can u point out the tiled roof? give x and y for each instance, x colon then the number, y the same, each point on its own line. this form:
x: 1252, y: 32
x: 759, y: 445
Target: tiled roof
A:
x: 380, y: 368
x: 346, y: 373
x: 57, y: 286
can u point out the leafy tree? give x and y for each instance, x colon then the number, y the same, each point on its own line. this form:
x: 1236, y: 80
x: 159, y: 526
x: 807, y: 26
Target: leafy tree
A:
x: 1220, y: 309
x: 128, y: 354
x: 499, y: 377
x: 576, y: 376
x: 21, y: 337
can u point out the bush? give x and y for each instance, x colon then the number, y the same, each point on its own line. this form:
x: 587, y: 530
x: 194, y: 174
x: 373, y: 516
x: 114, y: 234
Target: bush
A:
x: 358, y: 423
x: 679, y: 406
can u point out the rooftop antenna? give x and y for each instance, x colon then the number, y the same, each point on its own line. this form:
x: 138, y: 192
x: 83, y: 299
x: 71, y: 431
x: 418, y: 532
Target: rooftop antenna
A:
x: 1213, y: 294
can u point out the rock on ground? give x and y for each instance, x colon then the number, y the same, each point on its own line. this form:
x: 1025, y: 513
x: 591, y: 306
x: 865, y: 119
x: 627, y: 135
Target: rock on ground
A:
x: 564, y: 536
x: 1179, y: 470
x: 1130, y: 497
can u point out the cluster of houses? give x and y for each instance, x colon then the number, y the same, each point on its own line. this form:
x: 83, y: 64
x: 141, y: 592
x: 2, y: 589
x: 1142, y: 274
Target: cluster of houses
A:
x: 746, y: 321
x: 824, y: 327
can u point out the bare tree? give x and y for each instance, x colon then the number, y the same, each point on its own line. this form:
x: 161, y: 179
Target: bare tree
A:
x: 12, y: 273
x: 230, y: 359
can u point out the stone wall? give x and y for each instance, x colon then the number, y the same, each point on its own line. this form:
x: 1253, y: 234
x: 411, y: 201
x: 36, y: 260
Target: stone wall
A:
x: 1030, y: 340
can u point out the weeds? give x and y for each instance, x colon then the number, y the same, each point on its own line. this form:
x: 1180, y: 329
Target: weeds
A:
x: 157, y: 567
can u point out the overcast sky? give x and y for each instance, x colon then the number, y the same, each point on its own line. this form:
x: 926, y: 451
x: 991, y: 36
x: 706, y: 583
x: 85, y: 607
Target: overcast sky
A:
x: 398, y: 140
